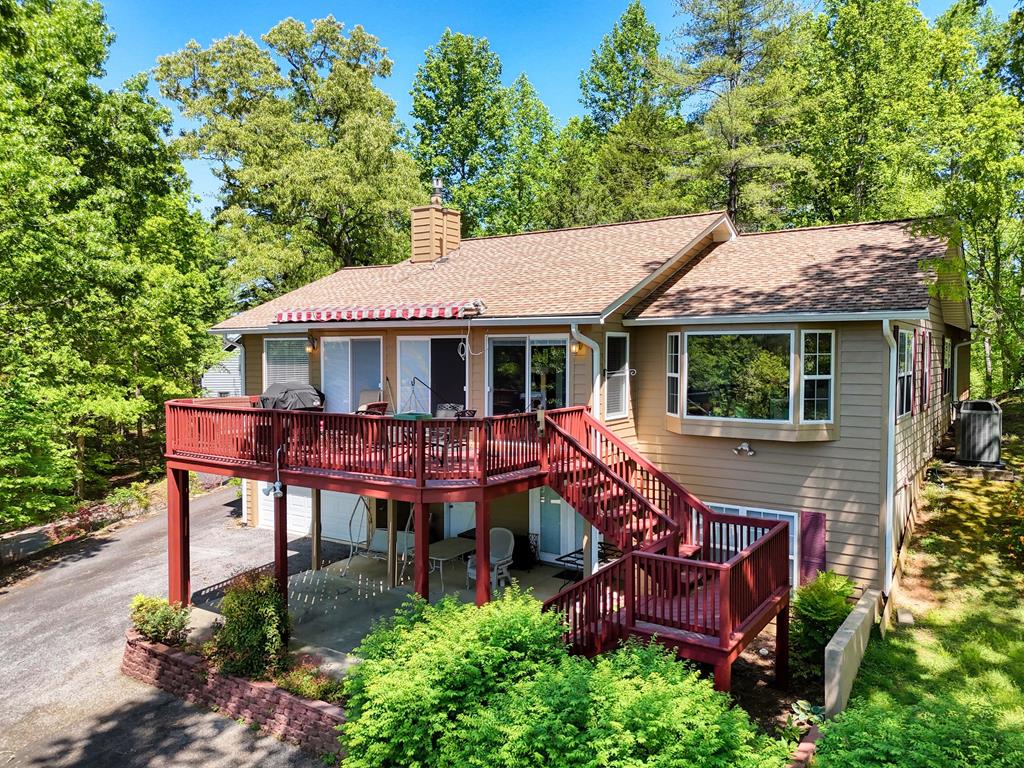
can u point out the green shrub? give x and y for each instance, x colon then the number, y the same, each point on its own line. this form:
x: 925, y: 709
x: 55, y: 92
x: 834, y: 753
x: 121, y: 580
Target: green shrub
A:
x: 253, y: 639
x: 880, y: 734
x: 452, y: 684
x: 307, y: 680
x: 819, y: 608
x: 158, y: 620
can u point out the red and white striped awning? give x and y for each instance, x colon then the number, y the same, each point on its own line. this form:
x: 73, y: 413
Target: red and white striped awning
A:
x: 439, y: 311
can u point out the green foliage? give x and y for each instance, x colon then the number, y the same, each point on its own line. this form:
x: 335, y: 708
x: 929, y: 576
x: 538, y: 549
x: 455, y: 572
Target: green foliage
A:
x: 160, y: 621
x: 1015, y: 523
x: 452, y: 684
x: 739, y: 376
x: 934, y: 733
x: 819, y: 608
x: 253, y: 640
x: 307, y: 680
x: 129, y: 498
x: 624, y: 70
x: 108, y: 280
x: 305, y: 146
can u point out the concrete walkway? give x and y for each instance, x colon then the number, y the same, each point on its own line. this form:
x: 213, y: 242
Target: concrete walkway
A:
x: 63, y: 701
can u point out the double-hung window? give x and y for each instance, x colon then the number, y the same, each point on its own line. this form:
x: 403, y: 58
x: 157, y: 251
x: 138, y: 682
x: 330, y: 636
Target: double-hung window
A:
x: 947, y: 366
x: 818, y: 375
x: 767, y: 514
x: 904, y: 372
x: 285, y: 360
x: 672, y: 375
x: 926, y: 368
x: 616, y: 402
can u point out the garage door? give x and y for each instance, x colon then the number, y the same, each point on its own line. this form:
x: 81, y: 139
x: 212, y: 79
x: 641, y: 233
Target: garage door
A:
x: 300, y: 509
x: 343, y: 517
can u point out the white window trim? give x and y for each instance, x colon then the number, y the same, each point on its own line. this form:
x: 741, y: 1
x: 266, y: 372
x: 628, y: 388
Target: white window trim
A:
x: 819, y: 377
x: 624, y: 414
x: 947, y: 371
x: 563, y: 337
x: 325, y: 340
x: 909, y: 374
x: 793, y: 377
x: 430, y: 353
x: 793, y: 518
x: 267, y: 341
x: 679, y: 371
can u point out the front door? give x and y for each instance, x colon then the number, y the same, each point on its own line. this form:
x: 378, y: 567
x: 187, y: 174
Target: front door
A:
x: 527, y: 374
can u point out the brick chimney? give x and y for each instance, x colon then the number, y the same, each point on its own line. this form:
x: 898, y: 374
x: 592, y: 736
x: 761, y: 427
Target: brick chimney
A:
x: 436, y: 231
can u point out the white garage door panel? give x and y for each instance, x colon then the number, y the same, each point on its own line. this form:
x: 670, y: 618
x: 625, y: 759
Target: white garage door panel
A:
x: 337, y: 512
x: 300, y: 509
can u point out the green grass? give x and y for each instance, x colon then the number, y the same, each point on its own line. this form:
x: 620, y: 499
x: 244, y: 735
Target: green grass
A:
x: 966, y: 591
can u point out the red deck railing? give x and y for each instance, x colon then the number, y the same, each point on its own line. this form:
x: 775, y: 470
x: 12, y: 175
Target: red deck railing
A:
x: 471, y: 450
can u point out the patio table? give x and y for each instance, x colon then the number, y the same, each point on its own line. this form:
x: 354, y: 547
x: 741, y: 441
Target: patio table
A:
x: 445, y: 550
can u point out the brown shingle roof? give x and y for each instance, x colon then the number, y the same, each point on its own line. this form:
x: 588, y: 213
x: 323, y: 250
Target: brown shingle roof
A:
x: 555, y: 272
x: 835, y: 269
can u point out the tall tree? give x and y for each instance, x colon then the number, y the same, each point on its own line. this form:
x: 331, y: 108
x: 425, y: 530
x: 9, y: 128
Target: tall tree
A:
x: 305, y: 145
x: 519, y: 180
x: 460, y: 120
x: 624, y: 70
x: 734, y: 57
x: 108, y: 282
x: 569, y: 195
x: 868, y: 66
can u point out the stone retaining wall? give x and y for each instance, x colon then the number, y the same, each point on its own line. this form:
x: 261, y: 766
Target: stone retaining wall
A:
x: 309, y: 725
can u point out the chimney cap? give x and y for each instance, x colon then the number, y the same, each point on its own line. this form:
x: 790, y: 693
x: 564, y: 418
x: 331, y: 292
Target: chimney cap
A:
x: 438, y: 190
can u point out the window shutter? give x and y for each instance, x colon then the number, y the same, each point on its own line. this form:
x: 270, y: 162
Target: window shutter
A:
x: 812, y: 545
x: 616, y: 376
x: 286, y: 361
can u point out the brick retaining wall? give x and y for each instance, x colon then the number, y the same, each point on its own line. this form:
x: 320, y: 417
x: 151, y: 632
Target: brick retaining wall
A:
x: 308, y: 724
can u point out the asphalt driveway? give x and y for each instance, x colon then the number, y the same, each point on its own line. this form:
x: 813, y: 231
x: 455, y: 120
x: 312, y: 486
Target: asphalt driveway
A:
x: 63, y: 701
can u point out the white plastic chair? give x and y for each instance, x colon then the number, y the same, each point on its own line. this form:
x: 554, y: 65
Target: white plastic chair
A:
x: 502, y: 544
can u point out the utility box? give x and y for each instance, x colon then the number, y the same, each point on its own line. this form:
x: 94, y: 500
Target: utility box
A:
x: 979, y: 432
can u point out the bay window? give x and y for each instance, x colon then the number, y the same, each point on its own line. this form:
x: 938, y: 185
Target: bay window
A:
x: 739, y: 375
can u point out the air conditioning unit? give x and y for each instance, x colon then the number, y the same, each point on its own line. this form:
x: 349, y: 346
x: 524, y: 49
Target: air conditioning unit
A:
x: 979, y: 432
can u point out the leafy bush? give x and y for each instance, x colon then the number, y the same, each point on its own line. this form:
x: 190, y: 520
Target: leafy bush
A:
x: 880, y: 734
x: 307, y: 680
x: 1014, y: 513
x: 452, y: 684
x: 819, y: 608
x: 160, y: 621
x: 253, y: 639
x: 129, y: 498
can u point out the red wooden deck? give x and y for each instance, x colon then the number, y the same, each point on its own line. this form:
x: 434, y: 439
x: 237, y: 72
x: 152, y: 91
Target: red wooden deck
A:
x: 694, y: 580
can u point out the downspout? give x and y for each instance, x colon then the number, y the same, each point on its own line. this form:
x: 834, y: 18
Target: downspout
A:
x: 590, y: 563
x: 890, y: 457
x: 595, y: 356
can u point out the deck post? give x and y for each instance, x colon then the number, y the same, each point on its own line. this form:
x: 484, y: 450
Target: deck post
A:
x: 629, y: 592
x: 281, y: 542
x: 421, y: 566
x: 483, y: 551
x: 316, y: 531
x: 723, y: 675
x: 392, y: 544
x: 178, y: 587
x: 782, y: 647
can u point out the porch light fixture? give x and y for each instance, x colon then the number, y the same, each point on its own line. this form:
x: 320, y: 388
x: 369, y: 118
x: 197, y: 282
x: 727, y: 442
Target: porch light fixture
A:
x: 311, y: 344
x: 574, y: 347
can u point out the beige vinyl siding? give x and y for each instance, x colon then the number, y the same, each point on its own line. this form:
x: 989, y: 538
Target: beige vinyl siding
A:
x: 839, y: 477
x: 918, y: 433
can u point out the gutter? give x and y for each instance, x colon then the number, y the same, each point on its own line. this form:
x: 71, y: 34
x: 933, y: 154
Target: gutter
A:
x: 780, y: 317
x: 890, y: 457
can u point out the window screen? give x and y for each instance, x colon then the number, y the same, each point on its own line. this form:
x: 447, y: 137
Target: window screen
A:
x: 285, y: 360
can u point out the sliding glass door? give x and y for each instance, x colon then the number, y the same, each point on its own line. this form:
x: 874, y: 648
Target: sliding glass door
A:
x: 527, y: 374
x: 431, y: 373
x: 350, y: 373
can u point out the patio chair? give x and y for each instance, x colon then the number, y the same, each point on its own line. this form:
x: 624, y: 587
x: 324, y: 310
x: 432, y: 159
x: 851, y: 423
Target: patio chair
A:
x: 444, y: 440
x: 503, y: 542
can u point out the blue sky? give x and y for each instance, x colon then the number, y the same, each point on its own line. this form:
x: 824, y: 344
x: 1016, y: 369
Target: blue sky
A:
x: 549, y: 41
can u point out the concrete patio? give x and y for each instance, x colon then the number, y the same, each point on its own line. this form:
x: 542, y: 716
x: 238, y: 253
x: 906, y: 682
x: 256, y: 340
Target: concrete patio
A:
x: 332, y: 609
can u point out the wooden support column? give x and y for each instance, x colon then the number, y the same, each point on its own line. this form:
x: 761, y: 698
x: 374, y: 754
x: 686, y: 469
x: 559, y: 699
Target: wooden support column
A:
x: 782, y: 647
x: 723, y: 675
x: 316, y: 531
x: 421, y: 566
x: 281, y: 542
x: 483, y: 551
x: 392, y: 544
x: 178, y: 587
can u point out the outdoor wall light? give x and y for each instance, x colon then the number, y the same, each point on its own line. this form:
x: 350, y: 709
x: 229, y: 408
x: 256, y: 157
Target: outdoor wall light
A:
x: 274, y: 489
x: 574, y: 347
x: 744, y: 449
x: 312, y: 342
